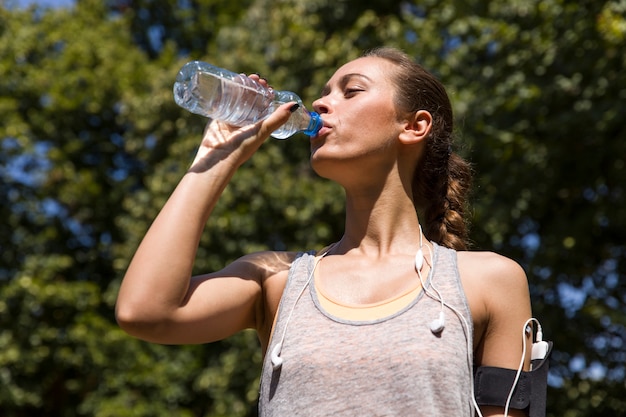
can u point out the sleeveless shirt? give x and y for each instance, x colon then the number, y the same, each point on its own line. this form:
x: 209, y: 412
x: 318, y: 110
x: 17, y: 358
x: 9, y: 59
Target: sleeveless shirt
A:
x: 392, y: 366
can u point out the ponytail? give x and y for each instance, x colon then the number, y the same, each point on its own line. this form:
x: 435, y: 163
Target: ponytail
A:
x: 441, y: 193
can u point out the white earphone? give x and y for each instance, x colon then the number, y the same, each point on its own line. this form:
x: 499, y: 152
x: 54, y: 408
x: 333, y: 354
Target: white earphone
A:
x: 275, y: 358
x: 419, y: 257
x: 277, y: 361
x: 438, y: 324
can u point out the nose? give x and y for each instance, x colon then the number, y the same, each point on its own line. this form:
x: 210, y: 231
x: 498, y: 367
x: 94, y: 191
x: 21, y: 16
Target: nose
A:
x: 321, y: 106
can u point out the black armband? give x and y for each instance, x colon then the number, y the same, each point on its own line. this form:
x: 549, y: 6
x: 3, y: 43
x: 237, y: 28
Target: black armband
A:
x: 492, y: 386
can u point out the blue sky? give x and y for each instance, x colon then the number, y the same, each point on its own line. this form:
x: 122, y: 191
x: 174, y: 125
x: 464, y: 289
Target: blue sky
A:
x: 44, y: 3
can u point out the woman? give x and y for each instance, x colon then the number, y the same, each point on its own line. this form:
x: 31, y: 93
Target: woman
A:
x: 388, y: 320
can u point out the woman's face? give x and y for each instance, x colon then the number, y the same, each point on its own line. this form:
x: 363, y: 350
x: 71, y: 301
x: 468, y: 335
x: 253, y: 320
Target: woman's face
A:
x: 361, y: 123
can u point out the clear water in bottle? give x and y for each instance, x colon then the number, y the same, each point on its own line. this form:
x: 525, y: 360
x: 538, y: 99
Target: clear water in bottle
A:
x: 237, y: 99
x: 231, y: 98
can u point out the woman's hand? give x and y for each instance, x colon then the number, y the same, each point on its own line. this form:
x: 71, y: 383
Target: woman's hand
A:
x: 223, y: 142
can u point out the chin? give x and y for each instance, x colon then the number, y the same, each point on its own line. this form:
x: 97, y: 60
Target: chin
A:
x: 331, y: 169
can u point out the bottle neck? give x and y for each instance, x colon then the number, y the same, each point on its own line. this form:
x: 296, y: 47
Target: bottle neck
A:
x: 315, y: 124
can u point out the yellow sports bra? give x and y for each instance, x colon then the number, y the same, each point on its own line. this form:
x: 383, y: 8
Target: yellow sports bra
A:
x: 365, y: 312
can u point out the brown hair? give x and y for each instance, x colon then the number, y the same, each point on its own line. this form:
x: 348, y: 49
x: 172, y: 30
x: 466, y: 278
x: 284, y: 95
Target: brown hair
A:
x: 442, y: 178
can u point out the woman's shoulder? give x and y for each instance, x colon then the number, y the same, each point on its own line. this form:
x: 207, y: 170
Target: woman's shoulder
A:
x: 488, y: 266
x: 496, y: 288
x: 265, y: 264
x: 271, y: 268
x: 493, y: 277
x: 268, y: 262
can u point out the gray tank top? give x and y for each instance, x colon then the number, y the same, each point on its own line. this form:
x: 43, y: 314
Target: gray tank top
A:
x: 394, y: 366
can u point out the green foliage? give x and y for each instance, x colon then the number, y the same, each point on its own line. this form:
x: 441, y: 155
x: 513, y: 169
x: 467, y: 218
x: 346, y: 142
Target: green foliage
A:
x: 92, y: 144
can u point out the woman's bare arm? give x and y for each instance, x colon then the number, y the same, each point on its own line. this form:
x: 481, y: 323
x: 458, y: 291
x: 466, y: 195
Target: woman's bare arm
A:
x: 158, y: 300
x: 497, y: 289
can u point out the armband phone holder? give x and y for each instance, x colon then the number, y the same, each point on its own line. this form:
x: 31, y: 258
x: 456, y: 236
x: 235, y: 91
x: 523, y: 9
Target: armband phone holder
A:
x: 492, y: 385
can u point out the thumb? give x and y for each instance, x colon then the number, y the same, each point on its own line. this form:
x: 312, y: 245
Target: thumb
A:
x: 278, y: 118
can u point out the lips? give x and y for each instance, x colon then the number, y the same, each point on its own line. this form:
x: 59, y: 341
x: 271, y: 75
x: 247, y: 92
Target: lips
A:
x: 326, y: 127
x: 324, y: 130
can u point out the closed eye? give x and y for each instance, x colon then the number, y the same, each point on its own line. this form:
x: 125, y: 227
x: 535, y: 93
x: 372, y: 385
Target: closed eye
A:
x: 349, y: 92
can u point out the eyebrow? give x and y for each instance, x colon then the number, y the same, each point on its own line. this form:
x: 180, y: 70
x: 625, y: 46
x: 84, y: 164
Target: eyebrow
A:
x: 345, y: 79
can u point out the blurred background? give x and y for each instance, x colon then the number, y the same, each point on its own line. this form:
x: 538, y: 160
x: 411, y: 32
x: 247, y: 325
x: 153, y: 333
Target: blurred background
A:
x: 92, y: 143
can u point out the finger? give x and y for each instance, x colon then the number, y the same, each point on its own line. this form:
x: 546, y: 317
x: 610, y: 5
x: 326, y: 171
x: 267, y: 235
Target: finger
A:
x: 277, y: 119
x: 261, y: 80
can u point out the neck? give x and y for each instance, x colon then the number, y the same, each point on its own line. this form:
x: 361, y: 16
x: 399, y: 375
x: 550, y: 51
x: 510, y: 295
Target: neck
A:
x: 380, y: 222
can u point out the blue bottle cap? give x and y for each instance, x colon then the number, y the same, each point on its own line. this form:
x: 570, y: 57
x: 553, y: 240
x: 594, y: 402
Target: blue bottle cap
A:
x: 315, y: 124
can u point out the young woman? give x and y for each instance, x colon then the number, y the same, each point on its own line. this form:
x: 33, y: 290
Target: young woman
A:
x: 387, y: 321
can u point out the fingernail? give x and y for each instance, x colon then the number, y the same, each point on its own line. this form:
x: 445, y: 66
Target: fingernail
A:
x: 294, y: 107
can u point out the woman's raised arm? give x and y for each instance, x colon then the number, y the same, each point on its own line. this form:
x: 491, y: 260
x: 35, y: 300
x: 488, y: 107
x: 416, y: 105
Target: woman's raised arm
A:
x: 158, y: 300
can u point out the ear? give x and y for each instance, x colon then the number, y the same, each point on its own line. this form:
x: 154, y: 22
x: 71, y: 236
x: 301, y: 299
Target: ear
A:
x: 416, y: 127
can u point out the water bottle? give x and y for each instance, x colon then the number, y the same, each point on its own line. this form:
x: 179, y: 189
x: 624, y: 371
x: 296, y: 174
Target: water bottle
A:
x: 238, y: 100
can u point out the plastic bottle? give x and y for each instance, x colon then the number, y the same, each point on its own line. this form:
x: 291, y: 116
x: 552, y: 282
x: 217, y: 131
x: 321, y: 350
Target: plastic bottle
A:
x: 238, y: 100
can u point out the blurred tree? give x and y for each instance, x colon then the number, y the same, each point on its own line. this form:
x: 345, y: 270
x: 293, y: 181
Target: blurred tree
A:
x: 92, y: 145
x: 66, y: 168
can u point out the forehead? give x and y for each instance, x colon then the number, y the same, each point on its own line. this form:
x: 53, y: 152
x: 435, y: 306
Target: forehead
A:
x: 374, y: 68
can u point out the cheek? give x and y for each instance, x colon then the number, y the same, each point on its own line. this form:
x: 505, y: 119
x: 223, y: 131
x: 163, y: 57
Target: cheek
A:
x: 379, y: 122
